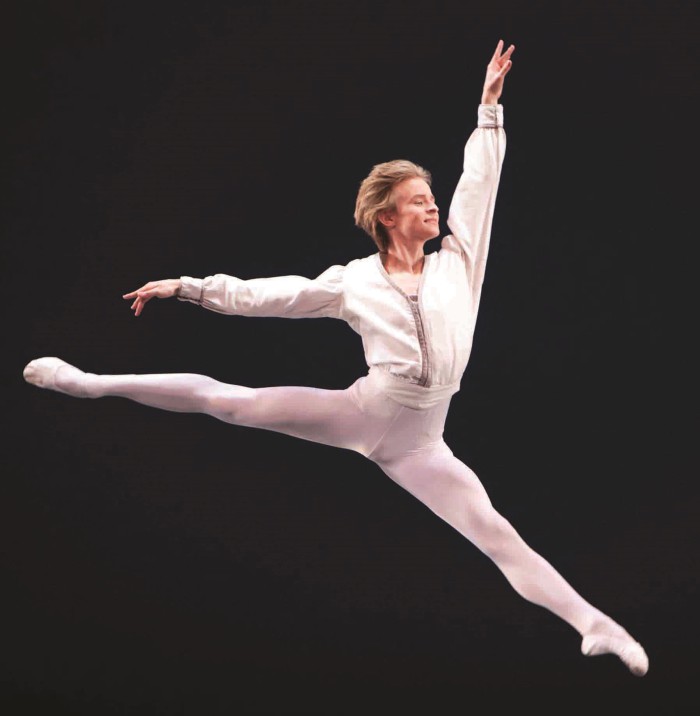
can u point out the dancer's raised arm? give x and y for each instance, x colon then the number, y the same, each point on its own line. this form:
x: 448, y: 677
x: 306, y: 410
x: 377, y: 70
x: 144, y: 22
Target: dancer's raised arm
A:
x: 471, y: 211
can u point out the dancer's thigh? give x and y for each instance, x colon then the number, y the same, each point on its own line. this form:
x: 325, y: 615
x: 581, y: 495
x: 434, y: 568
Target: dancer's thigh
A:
x: 449, y: 488
x: 340, y: 418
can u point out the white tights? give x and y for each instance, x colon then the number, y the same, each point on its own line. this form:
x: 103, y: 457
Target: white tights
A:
x: 407, y: 445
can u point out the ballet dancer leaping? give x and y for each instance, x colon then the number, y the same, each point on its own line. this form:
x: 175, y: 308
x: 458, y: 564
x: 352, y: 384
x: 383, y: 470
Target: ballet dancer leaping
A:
x: 416, y: 314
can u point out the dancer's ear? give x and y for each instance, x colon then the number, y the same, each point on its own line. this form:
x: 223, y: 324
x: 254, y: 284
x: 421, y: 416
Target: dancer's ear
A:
x: 388, y: 218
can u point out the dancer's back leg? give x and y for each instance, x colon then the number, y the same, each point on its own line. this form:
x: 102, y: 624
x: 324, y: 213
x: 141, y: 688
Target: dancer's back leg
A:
x: 331, y: 417
x: 451, y: 490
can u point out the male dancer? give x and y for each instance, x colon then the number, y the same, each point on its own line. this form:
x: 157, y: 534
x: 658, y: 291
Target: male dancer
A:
x: 416, y: 314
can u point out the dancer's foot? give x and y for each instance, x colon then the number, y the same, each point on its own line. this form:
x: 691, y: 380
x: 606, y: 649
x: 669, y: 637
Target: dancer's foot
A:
x: 55, y: 374
x: 630, y: 652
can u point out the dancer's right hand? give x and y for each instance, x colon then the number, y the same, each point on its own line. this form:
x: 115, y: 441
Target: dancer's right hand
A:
x: 153, y: 289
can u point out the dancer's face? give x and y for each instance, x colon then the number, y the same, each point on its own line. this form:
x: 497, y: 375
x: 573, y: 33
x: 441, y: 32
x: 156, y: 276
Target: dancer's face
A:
x: 415, y: 216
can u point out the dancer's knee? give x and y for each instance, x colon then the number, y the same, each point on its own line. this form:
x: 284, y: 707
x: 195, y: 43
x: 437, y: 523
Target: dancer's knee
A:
x: 230, y: 403
x: 494, y: 534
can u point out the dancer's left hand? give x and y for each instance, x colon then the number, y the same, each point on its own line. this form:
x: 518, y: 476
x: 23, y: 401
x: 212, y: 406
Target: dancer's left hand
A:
x: 496, y: 70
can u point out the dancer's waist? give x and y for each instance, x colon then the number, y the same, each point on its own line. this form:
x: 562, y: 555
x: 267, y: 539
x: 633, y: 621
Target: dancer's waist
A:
x: 410, y: 394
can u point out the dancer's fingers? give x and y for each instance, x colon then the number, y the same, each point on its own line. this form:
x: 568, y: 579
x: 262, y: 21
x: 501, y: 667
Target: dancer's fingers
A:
x: 137, y: 305
x: 504, y: 70
x: 497, y: 52
x: 131, y: 294
x: 145, y: 287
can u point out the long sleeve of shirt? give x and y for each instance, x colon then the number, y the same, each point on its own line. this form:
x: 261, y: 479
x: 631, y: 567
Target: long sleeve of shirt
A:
x: 472, y: 208
x: 418, y: 347
x: 277, y: 296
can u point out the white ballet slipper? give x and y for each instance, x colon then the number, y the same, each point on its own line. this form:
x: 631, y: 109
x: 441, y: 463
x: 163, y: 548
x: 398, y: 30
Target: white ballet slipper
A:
x: 630, y: 652
x: 42, y: 372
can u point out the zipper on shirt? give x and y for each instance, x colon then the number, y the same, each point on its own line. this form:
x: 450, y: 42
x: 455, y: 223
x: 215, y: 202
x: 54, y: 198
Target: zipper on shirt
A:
x: 424, y: 379
x: 420, y: 330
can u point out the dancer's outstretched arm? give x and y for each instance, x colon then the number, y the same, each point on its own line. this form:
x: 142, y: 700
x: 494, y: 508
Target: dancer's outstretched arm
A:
x: 277, y: 296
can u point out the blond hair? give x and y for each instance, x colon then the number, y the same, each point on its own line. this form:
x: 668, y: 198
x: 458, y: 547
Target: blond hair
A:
x: 376, y: 195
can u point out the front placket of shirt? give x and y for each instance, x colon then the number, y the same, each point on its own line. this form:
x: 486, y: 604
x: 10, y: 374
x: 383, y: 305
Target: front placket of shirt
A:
x: 417, y: 317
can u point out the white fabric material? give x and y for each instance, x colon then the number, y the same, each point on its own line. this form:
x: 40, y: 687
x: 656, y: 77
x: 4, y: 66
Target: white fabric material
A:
x: 395, y: 415
x: 406, y: 444
x: 422, y: 346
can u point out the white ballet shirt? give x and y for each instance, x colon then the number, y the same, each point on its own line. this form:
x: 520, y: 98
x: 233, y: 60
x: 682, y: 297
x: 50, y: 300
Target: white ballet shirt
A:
x: 416, y: 349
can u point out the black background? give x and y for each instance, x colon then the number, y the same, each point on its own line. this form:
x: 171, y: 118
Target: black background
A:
x: 164, y: 563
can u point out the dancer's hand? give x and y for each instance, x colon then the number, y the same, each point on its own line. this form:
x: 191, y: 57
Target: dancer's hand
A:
x: 496, y: 70
x: 153, y: 289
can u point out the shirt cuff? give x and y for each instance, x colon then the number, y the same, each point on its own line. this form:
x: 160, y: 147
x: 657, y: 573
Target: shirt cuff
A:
x: 190, y: 289
x: 490, y: 115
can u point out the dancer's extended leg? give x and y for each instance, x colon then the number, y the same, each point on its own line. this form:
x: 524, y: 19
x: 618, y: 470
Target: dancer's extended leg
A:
x: 429, y: 472
x: 330, y: 417
x: 451, y: 490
